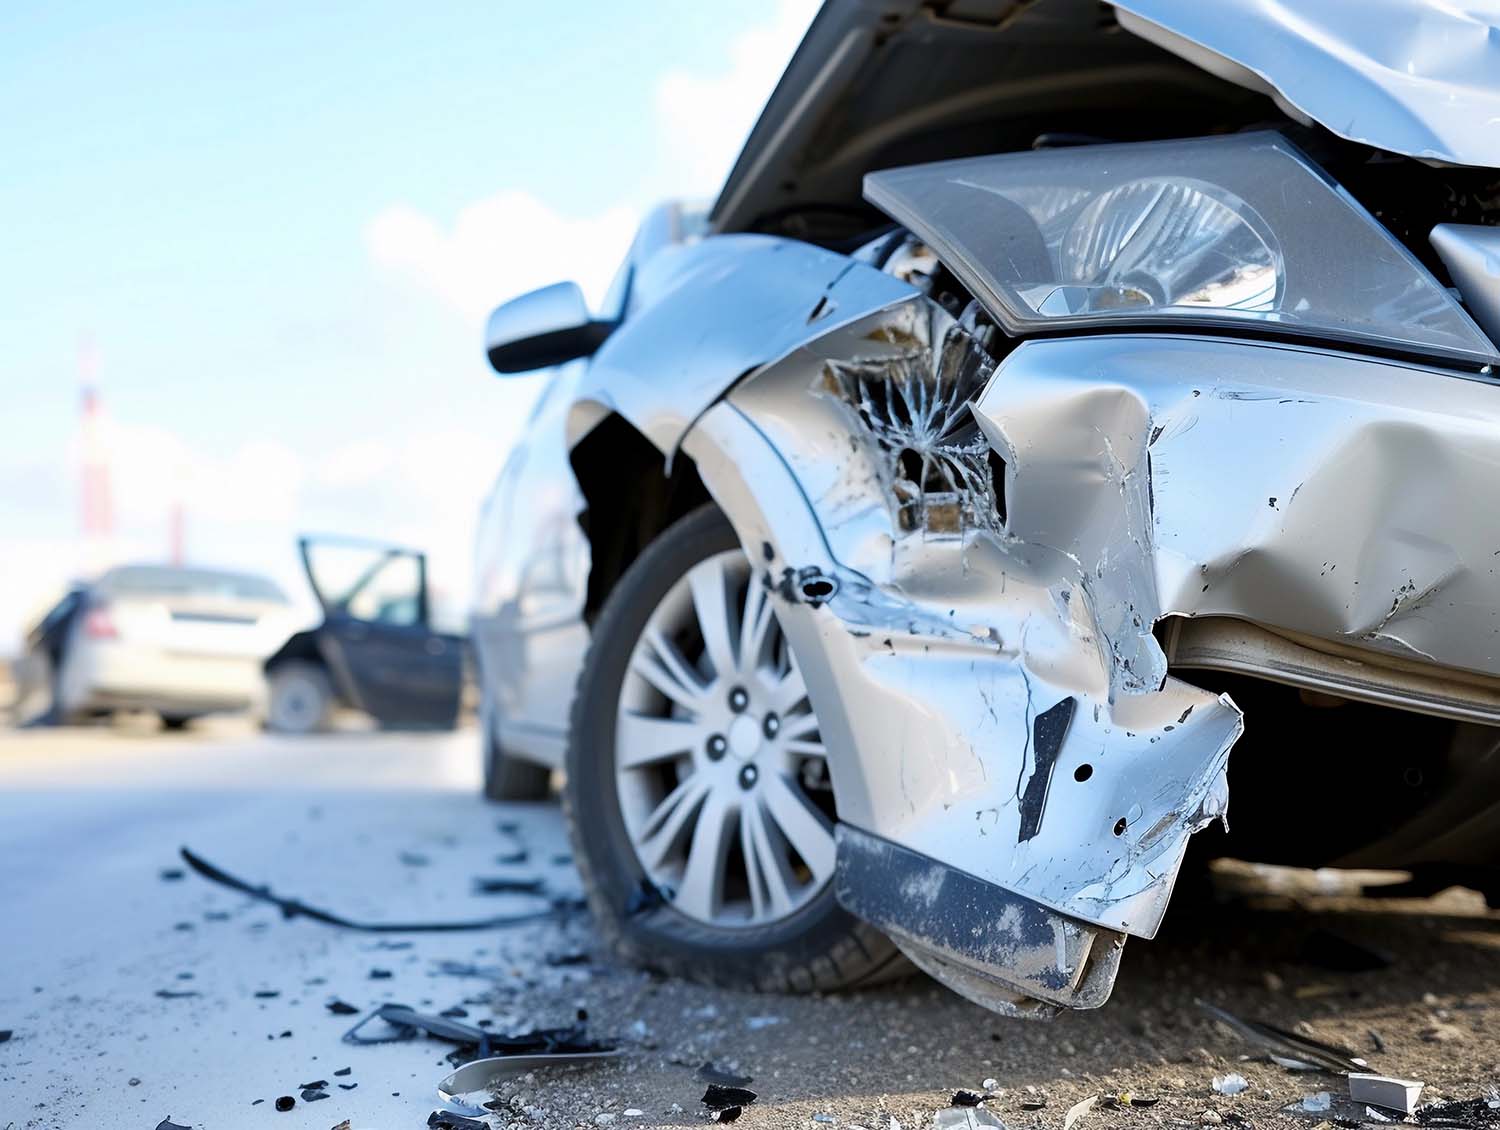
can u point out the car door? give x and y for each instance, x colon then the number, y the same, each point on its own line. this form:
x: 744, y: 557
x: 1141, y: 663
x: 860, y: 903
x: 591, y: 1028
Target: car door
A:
x: 376, y: 635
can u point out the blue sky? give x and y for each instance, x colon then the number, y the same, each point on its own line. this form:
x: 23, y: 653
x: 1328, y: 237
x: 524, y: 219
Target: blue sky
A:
x: 280, y: 225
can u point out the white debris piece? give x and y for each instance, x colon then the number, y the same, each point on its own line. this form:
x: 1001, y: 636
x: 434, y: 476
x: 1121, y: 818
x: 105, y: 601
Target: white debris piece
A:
x: 1385, y: 1091
x: 966, y: 1118
x: 1078, y: 1110
x: 756, y: 1023
x: 1316, y: 1103
x: 1231, y: 1084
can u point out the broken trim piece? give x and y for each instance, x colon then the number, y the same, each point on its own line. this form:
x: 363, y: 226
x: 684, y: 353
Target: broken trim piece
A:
x: 1002, y: 951
x: 292, y: 908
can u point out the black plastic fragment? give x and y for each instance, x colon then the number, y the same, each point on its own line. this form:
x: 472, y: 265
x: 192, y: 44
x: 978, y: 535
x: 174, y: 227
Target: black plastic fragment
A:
x: 5, y: 1034
x: 1124, y: 1102
x: 403, y: 1023
x: 380, y: 974
x: 342, y: 1008
x: 508, y: 885
x: 171, y: 874
x: 267, y: 994
x: 312, y: 1096
x: 572, y: 957
x: 315, y: 1085
x: 176, y: 994
x: 168, y: 1124
x: 447, y: 1120
x: 966, y: 1098
x: 347, y: 1086
x: 342, y: 1071
x: 285, y: 1103
x: 292, y: 908
x: 1467, y: 1114
x: 1048, y: 729
x: 712, y: 1073
x: 1033, y: 1104
x: 725, y: 1114
x: 720, y: 1097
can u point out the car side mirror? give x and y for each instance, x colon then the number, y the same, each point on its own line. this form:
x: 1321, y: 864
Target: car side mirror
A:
x: 543, y: 328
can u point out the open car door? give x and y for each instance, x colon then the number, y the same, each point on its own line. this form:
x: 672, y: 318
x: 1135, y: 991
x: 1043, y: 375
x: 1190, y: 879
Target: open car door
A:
x: 376, y: 636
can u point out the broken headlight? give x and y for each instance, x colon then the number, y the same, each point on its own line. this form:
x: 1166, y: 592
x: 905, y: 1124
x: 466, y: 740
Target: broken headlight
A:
x: 1233, y: 231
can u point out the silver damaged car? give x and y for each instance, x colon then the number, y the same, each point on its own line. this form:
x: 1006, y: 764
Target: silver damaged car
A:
x: 895, y: 560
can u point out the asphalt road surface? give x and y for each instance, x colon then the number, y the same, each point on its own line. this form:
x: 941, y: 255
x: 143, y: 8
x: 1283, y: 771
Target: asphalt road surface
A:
x: 137, y: 992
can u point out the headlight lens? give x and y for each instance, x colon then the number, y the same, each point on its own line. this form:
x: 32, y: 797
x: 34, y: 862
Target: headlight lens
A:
x: 1232, y: 231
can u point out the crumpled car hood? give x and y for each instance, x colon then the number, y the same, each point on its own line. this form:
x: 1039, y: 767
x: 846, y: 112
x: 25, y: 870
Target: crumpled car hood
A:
x: 1412, y: 77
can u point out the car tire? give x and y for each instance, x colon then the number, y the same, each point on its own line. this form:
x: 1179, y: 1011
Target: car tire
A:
x: 300, y: 699
x: 176, y: 721
x: 508, y: 778
x: 815, y: 945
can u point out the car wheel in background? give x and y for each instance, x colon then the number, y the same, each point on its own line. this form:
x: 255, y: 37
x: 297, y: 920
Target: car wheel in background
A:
x: 507, y: 777
x: 300, y: 699
x: 697, y: 795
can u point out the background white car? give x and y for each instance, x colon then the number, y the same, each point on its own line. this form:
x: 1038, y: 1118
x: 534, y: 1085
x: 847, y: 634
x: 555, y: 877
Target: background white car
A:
x: 178, y: 641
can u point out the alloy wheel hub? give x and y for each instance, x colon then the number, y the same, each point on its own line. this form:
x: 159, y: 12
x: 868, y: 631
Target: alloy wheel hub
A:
x: 715, y: 744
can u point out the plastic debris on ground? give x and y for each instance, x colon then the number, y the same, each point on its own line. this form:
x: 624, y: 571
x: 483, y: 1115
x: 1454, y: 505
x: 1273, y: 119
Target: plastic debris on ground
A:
x: 293, y: 908
x: 1385, y: 1091
x: 1078, y: 1110
x: 966, y: 1118
x: 1231, y: 1084
x: 1318, y: 1103
x: 1127, y: 1099
x: 1465, y: 1114
x: 726, y: 1103
x: 1289, y: 1045
x: 447, y: 1120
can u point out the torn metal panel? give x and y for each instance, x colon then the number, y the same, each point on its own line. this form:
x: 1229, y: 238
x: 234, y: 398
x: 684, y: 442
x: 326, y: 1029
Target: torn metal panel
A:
x: 1411, y: 78
x: 1314, y: 492
x: 938, y: 654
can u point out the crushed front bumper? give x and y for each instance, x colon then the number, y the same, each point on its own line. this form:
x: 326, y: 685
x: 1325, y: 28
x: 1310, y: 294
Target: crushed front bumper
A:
x: 973, y: 595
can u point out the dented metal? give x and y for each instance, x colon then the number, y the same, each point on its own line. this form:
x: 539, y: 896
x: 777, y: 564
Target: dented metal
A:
x: 979, y: 704
x: 991, y: 555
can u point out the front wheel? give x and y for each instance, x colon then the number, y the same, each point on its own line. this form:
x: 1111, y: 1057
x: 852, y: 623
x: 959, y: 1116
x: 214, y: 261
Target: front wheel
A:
x: 698, y: 795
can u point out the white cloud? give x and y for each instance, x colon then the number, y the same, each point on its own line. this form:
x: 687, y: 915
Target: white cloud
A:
x: 499, y: 247
x: 705, y: 118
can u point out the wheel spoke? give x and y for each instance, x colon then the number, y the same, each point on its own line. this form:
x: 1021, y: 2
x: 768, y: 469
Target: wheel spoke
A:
x: 804, y: 748
x: 660, y: 663
x: 798, y: 725
x: 756, y: 621
x: 711, y: 603
x: 803, y: 826
x: 664, y: 826
x: 643, y: 740
x: 765, y: 865
x: 701, y: 892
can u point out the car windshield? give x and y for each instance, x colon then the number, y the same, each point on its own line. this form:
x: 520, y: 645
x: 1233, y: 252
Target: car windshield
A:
x: 164, y: 580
